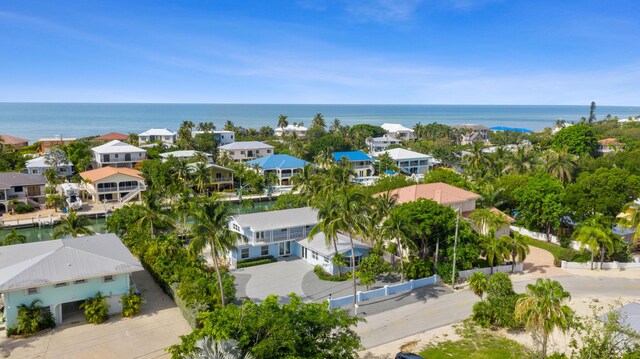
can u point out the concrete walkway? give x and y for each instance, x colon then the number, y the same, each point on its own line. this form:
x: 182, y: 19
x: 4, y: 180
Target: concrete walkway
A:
x: 280, y: 278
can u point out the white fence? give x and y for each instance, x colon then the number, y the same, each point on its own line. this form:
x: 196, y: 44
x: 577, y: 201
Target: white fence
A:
x: 384, y: 291
x: 465, y: 274
x: 542, y: 236
x: 596, y: 265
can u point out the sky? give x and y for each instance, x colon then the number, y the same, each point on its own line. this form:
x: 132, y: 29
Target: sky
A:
x: 321, y: 51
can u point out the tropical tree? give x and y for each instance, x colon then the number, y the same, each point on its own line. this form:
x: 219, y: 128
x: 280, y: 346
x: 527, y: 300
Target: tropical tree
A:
x: 485, y: 220
x: 594, y: 234
x: 494, y: 249
x: 12, y: 205
x: 55, y: 201
x: 630, y: 217
x: 477, y: 161
x: 542, y: 310
x: 208, y: 348
x: 33, y: 318
x: 151, y: 214
x: 518, y: 248
x: 13, y: 238
x: 303, y: 181
x: 328, y: 221
x: 478, y: 283
x: 72, y: 225
x: 318, y: 121
x: 282, y: 121
x: 561, y: 164
x: 398, y: 227
x: 201, y: 176
x: 335, y: 126
x: 522, y: 161
x: 210, y: 228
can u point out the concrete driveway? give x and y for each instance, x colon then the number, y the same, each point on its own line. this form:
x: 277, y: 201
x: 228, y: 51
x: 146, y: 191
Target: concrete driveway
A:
x: 145, y: 336
x: 280, y: 278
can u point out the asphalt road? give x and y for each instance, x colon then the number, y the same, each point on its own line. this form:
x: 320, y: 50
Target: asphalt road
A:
x: 415, y: 318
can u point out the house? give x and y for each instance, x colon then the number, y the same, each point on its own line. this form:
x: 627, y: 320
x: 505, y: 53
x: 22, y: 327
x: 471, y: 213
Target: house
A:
x: 7, y: 141
x: 398, y: 131
x: 472, y: 133
x: 46, y: 144
x: 221, y: 177
x: 163, y: 135
x: 26, y: 188
x: 409, y: 162
x: 608, y: 145
x: 222, y: 137
x: 185, y: 155
x: 38, y: 166
x: 247, y: 150
x: 63, y: 273
x: 441, y: 193
x: 290, y: 130
x: 283, y: 166
x: 316, y: 251
x: 361, y: 163
x: 117, y: 154
x: 112, y: 136
x: 378, y: 144
x: 112, y: 184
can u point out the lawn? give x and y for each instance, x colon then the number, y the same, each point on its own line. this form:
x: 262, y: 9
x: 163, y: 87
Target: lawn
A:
x: 476, y: 343
x: 559, y: 253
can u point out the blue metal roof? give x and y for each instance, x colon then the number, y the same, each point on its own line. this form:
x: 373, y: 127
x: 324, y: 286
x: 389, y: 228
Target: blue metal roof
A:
x: 352, y: 156
x: 278, y: 161
x: 389, y: 172
x: 512, y: 129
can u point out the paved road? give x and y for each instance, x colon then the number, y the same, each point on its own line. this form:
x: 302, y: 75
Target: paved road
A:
x: 411, y: 319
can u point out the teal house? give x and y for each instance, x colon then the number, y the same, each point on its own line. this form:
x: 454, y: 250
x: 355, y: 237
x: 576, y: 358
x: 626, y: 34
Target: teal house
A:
x: 63, y: 273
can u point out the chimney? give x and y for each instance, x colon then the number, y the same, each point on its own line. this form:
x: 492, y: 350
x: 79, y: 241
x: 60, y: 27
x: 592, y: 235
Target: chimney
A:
x: 438, y: 196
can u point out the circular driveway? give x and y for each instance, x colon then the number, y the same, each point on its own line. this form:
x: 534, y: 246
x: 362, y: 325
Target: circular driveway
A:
x: 280, y: 278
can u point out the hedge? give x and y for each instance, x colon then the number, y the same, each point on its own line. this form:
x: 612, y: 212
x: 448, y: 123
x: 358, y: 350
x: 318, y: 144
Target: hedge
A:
x: 322, y: 275
x: 559, y: 253
x: 244, y: 263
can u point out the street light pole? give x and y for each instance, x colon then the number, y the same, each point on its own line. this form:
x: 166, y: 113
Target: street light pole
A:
x: 455, y: 246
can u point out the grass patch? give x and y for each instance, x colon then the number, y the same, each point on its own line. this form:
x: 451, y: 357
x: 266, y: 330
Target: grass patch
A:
x: 322, y: 275
x: 559, y: 253
x: 244, y: 263
x: 476, y: 343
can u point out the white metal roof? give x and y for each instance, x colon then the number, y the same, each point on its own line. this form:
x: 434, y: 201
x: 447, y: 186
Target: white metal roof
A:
x: 182, y: 154
x: 395, y: 127
x: 291, y: 128
x: 245, y: 145
x: 46, y: 263
x: 41, y: 161
x: 157, y: 132
x: 319, y: 244
x: 286, y: 218
x: 116, y: 146
x: 398, y: 154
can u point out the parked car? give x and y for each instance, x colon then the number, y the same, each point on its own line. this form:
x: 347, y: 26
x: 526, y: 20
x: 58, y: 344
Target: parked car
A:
x: 403, y: 355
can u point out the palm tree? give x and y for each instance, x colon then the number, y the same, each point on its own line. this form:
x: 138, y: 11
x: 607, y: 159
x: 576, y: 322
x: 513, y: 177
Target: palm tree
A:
x: 318, y: 121
x: 335, y: 126
x: 477, y: 161
x: 494, y: 249
x: 200, y: 157
x: 12, y: 205
x: 208, y: 348
x: 630, y: 217
x: 180, y: 209
x: 478, y: 283
x: 518, y: 248
x: 201, y: 176
x: 282, y: 122
x: 324, y: 159
x: 303, y: 181
x: 13, y: 238
x: 486, y: 220
x: 182, y: 170
x: 152, y: 215
x: 72, y: 225
x: 491, y: 196
x: 561, y: 164
x: 522, y: 161
x: 328, y: 218
x: 398, y: 227
x: 211, y: 228
x: 598, y: 237
x: 133, y: 139
x: 542, y: 310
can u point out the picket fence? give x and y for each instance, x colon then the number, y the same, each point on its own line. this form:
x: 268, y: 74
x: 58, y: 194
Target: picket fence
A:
x: 596, y: 265
x: 465, y: 274
x: 384, y: 291
x: 542, y: 236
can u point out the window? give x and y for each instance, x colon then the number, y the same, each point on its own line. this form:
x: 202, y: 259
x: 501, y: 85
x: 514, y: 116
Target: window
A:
x: 59, y: 285
x: 81, y: 281
x: 32, y: 291
x: 264, y: 250
x: 244, y: 253
x: 326, y: 260
x: 268, y: 151
x: 314, y: 255
x: 242, y: 152
x: 259, y: 235
x: 108, y: 278
x: 17, y: 189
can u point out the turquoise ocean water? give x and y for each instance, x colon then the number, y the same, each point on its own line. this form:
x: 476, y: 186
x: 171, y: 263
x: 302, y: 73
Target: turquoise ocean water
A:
x: 39, y: 120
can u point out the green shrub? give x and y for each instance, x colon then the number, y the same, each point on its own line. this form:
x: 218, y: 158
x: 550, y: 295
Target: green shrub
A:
x: 445, y: 270
x: 96, y: 309
x: 32, y: 318
x: 131, y: 303
x: 23, y: 208
x: 416, y: 268
x: 483, y: 314
x: 322, y: 275
x: 255, y: 261
x: 498, y: 310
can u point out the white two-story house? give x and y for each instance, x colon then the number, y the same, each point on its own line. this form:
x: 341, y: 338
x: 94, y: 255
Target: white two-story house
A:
x: 222, y: 137
x: 409, y: 162
x: 26, y: 188
x: 377, y: 144
x: 39, y: 165
x: 398, y: 131
x: 164, y: 135
x: 283, y: 166
x: 247, y: 150
x: 290, y: 130
x: 117, y: 154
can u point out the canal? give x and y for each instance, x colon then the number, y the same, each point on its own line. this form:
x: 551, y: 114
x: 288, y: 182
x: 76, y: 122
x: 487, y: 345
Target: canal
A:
x: 36, y: 234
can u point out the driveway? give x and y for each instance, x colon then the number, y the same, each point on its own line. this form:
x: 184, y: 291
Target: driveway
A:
x: 144, y: 336
x: 280, y: 278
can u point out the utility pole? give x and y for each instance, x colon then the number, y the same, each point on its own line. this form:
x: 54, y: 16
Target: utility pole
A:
x: 455, y: 246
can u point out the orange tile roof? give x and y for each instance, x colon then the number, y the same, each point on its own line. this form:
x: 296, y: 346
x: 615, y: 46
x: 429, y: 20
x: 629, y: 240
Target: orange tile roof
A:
x: 112, y: 136
x: 10, y: 140
x: 439, y: 192
x: 609, y: 142
x: 104, y: 172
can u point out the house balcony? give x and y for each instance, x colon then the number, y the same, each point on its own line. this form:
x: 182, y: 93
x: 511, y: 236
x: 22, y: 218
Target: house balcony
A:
x: 223, y: 179
x: 280, y: 237
x: 359, y: 167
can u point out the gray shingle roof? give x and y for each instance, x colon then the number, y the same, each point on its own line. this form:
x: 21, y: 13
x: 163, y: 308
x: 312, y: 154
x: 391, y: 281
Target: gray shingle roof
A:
x: 278, y: 219
x: 45, y: 263
x: 12, y: 179
x: 318, y: 243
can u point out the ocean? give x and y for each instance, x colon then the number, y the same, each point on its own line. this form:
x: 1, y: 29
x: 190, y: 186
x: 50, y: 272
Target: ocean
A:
x: 39, y: 120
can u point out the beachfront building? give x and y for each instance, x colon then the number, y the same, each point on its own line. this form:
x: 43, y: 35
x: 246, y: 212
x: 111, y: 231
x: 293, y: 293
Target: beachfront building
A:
x: 117, y: 154
x: 473, y: 133
x: 46, y: 144
x: 398, y: 131
x: 409, y: 162
x: 63, y: 273
x: 608, y: 145
x: 185, y: 155
x: 111, y: 184
x: 222, y: 137
x: 284, y: 233
x: 361, y: 163
x: 112, y: 136
x: 26, y: 188
x: 7, y: 141
x: 163, y: 135
x: 283, y: 166
x: 247, y: 150
x: 221, y: 177
x: 291, y: 130
x: 39, y: 165
x: 378, y: 144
